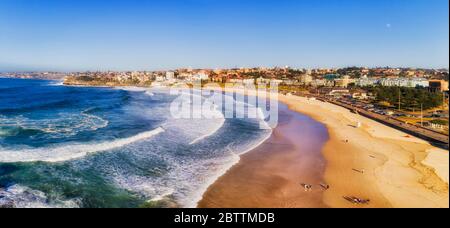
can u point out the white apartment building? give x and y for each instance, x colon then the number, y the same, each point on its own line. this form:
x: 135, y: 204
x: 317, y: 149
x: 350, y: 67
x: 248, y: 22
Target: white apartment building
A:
x: 200, y: 76
x: 405, y: 82
x: 306, y: 79
x: 365, y: 81
x: 170, y: 75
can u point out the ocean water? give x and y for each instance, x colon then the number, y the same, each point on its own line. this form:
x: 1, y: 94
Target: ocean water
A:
x: 110, y: 147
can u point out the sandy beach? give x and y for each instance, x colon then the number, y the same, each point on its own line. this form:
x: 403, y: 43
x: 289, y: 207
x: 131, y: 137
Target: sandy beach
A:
x: 373, y: 162
x: 259, y: 180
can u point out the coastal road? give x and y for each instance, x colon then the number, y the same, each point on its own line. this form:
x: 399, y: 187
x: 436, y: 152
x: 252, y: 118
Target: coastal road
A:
x: 434, y: 137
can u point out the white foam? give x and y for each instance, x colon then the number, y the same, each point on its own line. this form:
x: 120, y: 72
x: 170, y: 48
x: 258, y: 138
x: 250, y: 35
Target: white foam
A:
x: 215, y: 114
x: 220, y: 170
x: 57, y: 83
x: 199, y: 119
x: 153, y: 189
x: 193, y: 200
x: 188, y: 177
x: 263, y: 123
x: 97, y: 122
x: 132, y: 89
x: 215, y: 128
x: 211, y: 133
x: 19, y: 196
x: 70, y: 152
x: 62, y: 126
x: 163, y: 195
x: 5, y: 132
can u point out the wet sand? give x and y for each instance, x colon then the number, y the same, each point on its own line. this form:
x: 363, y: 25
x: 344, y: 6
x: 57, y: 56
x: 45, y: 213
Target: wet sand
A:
x: 259, y: 180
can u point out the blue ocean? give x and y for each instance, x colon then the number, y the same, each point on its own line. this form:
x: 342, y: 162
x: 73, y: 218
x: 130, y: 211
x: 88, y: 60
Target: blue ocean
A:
x: 110, y: 147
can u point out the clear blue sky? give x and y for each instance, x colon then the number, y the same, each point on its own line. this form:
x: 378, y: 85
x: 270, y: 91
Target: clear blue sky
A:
x: 163, y: 34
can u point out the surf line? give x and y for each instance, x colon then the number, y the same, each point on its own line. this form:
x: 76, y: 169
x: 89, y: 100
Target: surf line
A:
x: 71, y: 152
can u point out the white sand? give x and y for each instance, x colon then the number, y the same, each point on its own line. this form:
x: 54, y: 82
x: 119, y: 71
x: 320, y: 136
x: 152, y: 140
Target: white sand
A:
x: 405, y: 171
x: 400, y: 171
x: 438, y: 159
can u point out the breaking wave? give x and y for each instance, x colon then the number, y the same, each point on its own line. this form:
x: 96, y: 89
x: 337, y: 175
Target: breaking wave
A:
x: 70, y: 152
x: 177, y: 161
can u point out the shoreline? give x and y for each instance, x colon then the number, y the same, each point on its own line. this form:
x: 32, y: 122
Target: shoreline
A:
x: 397, y: 169
x: 273, y: 186
x: 394, y: 161
x: 236, y: 159
x: 421, y: 178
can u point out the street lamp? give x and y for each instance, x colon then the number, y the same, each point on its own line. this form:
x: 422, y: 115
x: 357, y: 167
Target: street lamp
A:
x: 421, y: 114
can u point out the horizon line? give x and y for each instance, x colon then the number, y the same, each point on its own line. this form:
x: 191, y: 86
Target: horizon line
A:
x: 217, y: 68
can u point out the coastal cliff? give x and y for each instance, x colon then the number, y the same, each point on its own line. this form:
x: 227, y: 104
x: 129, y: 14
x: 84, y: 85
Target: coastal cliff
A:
x: 103, y: 82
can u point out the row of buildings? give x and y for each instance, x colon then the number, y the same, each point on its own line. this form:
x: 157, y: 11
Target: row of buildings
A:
x: 341, y: 78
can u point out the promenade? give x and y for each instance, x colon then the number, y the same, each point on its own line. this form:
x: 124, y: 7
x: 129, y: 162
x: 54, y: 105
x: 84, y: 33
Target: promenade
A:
x: 434, y: 137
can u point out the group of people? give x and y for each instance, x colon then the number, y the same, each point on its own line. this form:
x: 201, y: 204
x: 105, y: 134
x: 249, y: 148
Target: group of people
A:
x: 309, y: 187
